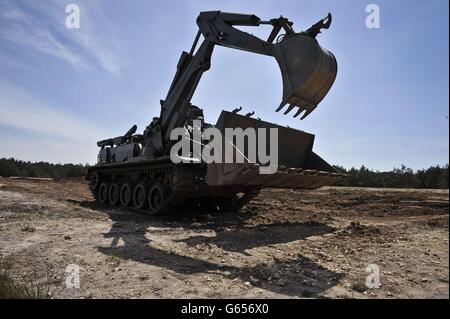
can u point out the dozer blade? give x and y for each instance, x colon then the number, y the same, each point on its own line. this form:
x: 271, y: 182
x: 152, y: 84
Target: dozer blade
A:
x: 308, y: 72
x: 294, y: 178
x: 298, y: 166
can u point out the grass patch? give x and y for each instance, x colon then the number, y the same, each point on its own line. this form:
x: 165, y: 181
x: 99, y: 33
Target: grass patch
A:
x: 19, y: 287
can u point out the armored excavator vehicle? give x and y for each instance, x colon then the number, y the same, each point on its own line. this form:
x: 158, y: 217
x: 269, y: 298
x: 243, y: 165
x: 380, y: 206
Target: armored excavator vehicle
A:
x: 142, y: 171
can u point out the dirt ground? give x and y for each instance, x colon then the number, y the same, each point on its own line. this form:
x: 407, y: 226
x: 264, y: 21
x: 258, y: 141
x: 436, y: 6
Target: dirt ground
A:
x: 283, y: 244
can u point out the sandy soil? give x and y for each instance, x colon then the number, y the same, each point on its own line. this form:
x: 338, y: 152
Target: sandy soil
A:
x: 283, y: 244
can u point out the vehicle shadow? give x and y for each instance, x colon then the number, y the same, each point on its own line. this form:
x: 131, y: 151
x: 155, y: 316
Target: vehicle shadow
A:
x: 242, y: 239
x: 185, y: 218
x: 298, y: 276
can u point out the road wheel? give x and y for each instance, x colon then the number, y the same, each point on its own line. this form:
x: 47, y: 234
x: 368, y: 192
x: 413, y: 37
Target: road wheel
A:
x: 114, y: 194
x: 140, y: 196
x: 156, y: 198
x: 103, y: 193
x: 125, y: 195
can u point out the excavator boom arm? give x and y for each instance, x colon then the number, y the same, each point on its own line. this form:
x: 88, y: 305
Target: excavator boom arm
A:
x: 217, y: 28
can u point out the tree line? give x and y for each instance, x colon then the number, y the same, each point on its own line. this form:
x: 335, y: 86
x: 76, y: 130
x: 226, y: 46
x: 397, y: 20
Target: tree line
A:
x: 403, y: 177
x: 13, y: 167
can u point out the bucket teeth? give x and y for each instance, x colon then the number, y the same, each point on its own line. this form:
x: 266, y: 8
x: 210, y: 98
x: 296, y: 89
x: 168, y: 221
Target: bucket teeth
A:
x: 289, y: 109
x: 302, y: 105
x: 300, y: 110
x: 282, y: 104
x: 308, y: 111
x: 305, y: 115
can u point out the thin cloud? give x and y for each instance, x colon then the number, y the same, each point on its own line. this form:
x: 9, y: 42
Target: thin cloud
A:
x: 22, y: 111
x: 11, y: 13
x: 44, y: 30
x: 94, y: 36
x: 41, y: 40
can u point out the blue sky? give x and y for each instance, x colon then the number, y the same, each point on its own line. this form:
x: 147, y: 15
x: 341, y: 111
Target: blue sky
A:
x: 63, y: 89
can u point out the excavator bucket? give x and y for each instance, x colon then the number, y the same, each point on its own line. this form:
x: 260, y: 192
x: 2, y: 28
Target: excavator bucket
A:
x: 308, y: 72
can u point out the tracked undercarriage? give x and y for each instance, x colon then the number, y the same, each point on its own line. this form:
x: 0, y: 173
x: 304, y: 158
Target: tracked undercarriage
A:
x: 161, y: 187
